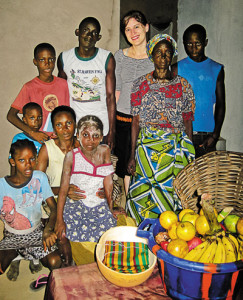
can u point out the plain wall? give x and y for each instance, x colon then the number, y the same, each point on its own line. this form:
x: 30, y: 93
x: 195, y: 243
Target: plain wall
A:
x: 223, y: 22
x: 26, y: 23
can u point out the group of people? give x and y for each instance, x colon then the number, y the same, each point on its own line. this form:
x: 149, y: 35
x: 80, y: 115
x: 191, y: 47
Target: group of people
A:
x: 135, y: 104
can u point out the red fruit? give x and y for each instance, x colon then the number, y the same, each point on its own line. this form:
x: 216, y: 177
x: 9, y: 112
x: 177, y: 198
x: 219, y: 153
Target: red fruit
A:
x: 222, y: 226
x: 194, y: 242
x: 164, y: 245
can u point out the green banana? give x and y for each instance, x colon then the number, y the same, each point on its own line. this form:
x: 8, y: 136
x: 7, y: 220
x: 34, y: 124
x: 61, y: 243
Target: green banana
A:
x: 197, y: 252
x: 209, y: 254
x: 229, y: 249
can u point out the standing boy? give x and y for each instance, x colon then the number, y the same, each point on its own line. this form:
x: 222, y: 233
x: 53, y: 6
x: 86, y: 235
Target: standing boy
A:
x: 207, y: 80
x: 90, y: 73
x: 47, y: 90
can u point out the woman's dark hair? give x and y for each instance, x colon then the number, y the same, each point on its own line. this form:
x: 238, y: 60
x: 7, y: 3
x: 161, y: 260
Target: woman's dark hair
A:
x: 195, y: 28
x: 20, y: 145
x: 62, y: 108
x: 136, y: 14
x: 90, y: 120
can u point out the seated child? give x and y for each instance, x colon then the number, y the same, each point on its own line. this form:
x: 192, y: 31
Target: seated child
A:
x: 21, y: 197
x: 47, y: 90
x: 32, y: 116
x: 88, y: 167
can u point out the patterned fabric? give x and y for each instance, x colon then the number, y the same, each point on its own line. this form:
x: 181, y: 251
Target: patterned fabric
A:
x: 28, y: 245
x: 159, y: 158
x: 126, y: 257
x: 156, y: 39
x: 162, y: 105
x: 87, y: 219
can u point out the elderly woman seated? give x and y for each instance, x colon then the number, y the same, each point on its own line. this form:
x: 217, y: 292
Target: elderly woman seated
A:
x: 163, y: 108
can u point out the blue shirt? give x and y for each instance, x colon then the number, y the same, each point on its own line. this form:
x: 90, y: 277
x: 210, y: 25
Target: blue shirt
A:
x: 203, y: 78
x: 20, y: 206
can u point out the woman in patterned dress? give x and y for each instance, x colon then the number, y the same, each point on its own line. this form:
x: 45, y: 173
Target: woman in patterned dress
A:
x: 162, y: 107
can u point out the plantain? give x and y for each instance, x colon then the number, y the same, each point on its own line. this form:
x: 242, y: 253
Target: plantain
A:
x: 240, y: 250
x: 197, y: 252
x: 209, y: 254
x: 208, y: 210
x: 219, y: 257
x: 230, y: 249
x: 235, y: 241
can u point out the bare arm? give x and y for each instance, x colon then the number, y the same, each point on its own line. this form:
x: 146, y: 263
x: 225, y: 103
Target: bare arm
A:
x: 61, y: 72
x: 117, y: 96
x: 219, y: 112
x: 131, y: 168
x: 60, y: 227
x: 111, y: 100
x: 13, y: 118
x: 49, y: 237
x: 188, y: 126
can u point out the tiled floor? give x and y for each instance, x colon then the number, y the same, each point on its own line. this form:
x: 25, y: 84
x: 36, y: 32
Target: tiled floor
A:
x: 19, y: 289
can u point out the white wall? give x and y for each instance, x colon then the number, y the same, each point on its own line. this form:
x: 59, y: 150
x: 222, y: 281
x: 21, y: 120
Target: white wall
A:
x: 224, y: 22
x: 26, y: 23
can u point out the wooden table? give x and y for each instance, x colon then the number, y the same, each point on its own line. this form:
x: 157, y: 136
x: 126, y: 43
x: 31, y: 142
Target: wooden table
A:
x: 86, y: 282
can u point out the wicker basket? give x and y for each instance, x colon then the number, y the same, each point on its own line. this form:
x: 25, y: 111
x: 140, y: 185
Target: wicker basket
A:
x: 219, y: 173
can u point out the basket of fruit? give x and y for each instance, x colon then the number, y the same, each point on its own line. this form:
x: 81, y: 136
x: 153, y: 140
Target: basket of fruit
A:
x: 200, y: 251
x: 219, y: 173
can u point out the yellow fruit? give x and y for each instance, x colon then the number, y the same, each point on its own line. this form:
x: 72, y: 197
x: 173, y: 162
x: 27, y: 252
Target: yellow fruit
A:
x: 202, y: 225
x: 167, y: 218
x: 178, y: 248
x: 185, y: 211
x: 186, y: 231
x: 239, y: 226
x: 201, y: 213
x: 190, y: 217
x: 172, y: 231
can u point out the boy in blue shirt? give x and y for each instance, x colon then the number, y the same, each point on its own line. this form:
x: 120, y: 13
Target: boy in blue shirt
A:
x: 207, y: 80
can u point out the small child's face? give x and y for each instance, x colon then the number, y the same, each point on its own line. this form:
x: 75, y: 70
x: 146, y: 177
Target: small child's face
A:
x: 45, y: 62
x: 64, y: 125
x: 89, y: 138
x: 33, y: 118
x: 195, y: 46
x: 88, y: 35
x: 25, y: 162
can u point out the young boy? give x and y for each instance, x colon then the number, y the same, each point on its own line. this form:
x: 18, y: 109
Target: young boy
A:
x: 47, y: 90
x: 90, y: 73
x: 32, y: 117
x: 207, y: 80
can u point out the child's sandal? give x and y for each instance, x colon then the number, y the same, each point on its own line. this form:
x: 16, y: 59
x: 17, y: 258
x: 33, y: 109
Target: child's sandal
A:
x: 39, y: 283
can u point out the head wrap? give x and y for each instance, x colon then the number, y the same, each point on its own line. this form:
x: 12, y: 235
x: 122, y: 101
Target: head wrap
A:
x: 157, y: 38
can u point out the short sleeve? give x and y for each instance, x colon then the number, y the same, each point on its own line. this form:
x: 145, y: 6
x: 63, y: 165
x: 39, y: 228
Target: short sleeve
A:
x: 22, y: 99
x: 188, y: 107
x: 118, y: 59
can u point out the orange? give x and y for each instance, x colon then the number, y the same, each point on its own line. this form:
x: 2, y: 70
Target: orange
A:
x: 239, y: 226
x: 178, y: 248
x: 185, y: 211
x: 202, y: 225
x: 167, y: 218
x: 186, y: 231
x: 190, y: 217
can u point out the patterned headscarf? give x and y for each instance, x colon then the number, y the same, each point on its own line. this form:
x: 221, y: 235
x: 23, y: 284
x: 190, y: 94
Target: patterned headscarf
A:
x: 157, y: 38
